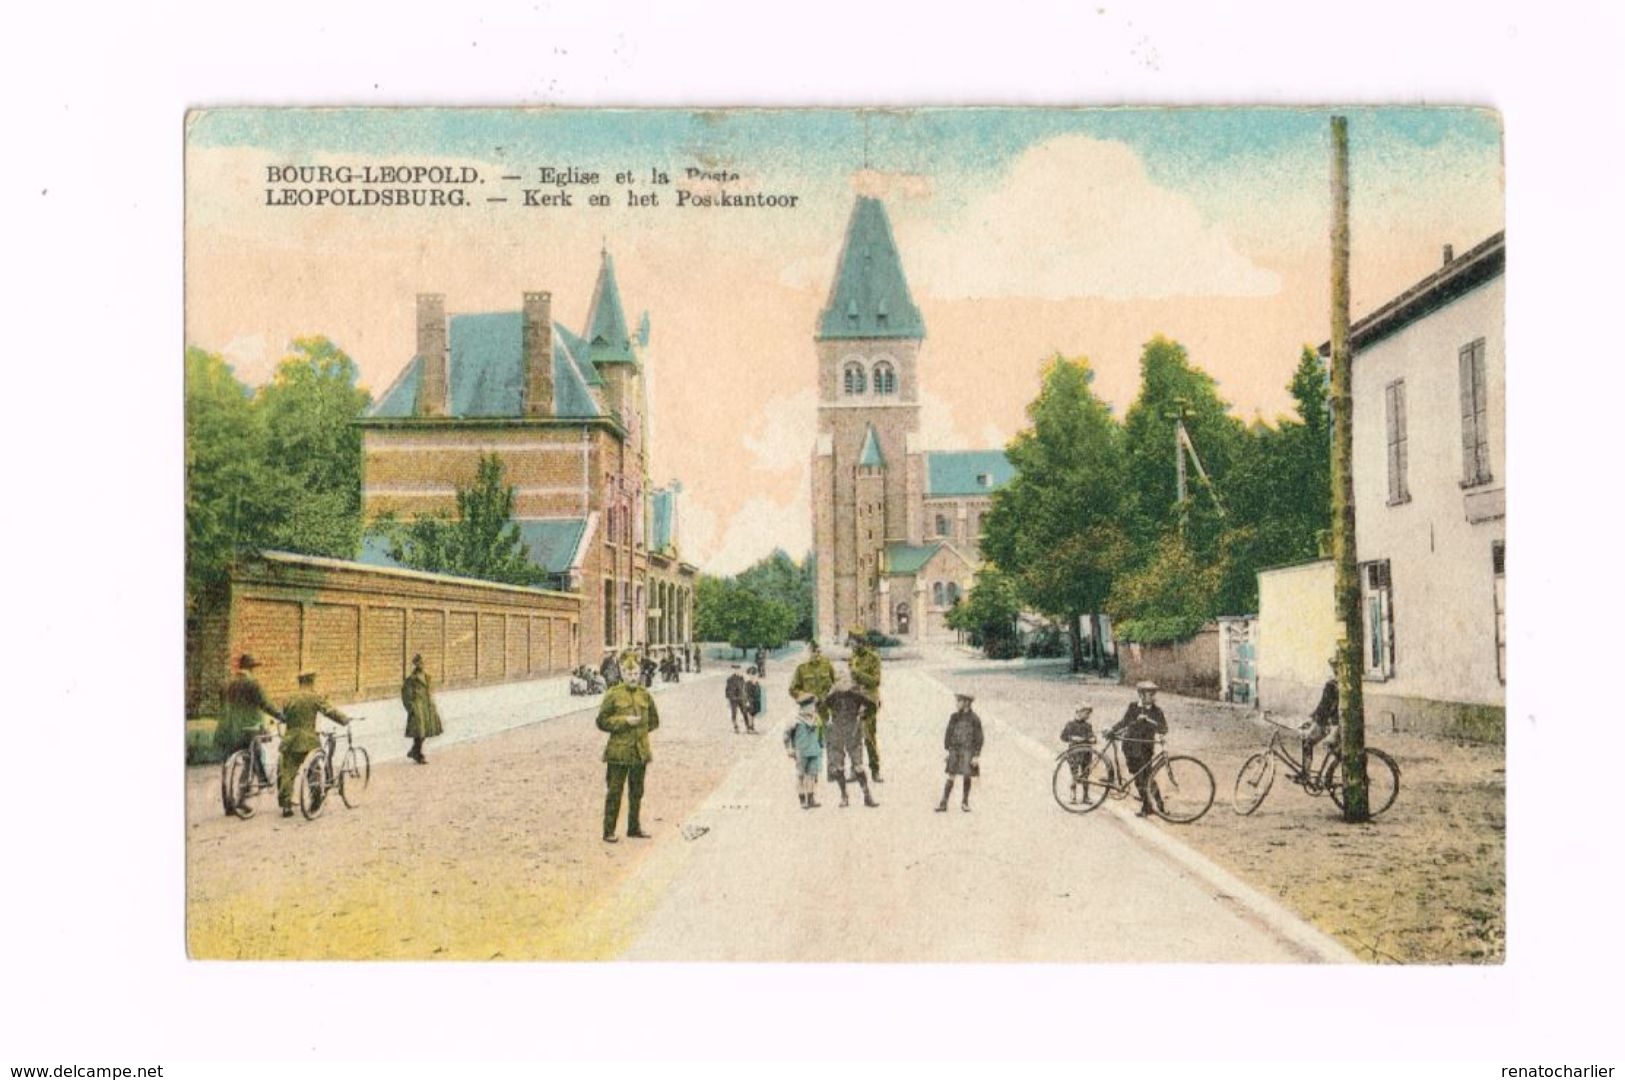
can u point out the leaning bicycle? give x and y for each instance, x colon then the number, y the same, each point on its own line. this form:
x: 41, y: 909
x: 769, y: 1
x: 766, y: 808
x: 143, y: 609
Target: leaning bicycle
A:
x: 1181, y: 787
x: 1257, y: 774
x: 330, y: 768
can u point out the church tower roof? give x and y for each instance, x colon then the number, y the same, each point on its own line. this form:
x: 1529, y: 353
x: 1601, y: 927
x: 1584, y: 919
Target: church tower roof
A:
x: 869, y: 297
x: 871, y: 457
x: 607, y: 339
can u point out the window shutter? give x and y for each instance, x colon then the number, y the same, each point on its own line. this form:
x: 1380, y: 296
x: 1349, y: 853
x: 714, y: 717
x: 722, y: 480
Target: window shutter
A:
x: 1481, y: 426
x: 1392, y: 411
x: 1469, y: 419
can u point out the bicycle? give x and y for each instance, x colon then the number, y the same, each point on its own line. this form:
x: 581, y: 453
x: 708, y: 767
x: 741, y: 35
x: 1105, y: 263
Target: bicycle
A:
x: 318, y: 775
x: 1257, y: 774
x: 247, y: 772
x: 1181, y: 787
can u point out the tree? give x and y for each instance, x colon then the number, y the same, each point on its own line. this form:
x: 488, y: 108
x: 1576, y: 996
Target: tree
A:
x: 777, y: 577
x: 1169, y: 598
x: 481, y: 542
x: 223, y: 469
x: 1055, y: 527
x: 989, y: 612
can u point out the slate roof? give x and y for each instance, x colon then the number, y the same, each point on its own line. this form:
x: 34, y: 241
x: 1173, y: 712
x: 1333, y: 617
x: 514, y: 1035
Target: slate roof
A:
x: 869, y: 297
x: 608, y: 341
x: 904, y: 558
x: 871, y: 457
x: 955, y: 472
x: 552, y: 543
x: 487, y: 372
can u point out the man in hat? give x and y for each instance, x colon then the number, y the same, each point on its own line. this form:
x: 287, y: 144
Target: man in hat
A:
x: 843, y: 737
x: 814, y: 677
x: 1138, y: 731
x: 243, y: 706
x: 963, y: 741
x: 738, y: 703
x: 1079, y: 736
x: 1323, y: 719
x: 300, y: 738
x: 628, y: 715
x: 610, y: 669
x: 422, y: 718
x: 804, y: 742
x: 866, y: 670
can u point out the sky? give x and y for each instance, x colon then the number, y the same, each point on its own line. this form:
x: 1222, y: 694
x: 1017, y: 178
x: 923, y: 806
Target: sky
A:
x: 1023, y: 233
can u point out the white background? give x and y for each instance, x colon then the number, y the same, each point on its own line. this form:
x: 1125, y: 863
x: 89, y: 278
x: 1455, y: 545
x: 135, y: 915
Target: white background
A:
x: 92, y: 890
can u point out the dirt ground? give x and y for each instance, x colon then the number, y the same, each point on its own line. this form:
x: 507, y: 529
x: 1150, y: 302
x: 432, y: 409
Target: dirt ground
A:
x: 1424, y: 883
x: 492, y: 851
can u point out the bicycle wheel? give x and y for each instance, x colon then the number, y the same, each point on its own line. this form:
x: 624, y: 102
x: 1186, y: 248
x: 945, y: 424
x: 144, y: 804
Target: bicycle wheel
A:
x: 310, y: 785
x: 1253, y: 783
x: 1183, y: 789
x: 236, y: 780
x: 354, y: 776
x: 1381, y: 780
x: 1081, y: 791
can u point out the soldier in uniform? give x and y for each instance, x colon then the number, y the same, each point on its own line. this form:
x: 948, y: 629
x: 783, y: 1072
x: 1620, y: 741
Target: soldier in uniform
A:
x: 628, y: 714
x: 963, y: 741
x: 815, y: 677
x: 242, y: 708
x: 866, y: 670
x: 843, y: 737
x: 422, y: 718
x: 1138, y: 730
x: 300, y: 738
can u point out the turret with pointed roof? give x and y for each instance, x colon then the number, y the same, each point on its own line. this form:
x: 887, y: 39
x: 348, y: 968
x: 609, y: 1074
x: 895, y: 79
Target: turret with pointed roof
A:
x: 608, y: 341
x: 869, y: 297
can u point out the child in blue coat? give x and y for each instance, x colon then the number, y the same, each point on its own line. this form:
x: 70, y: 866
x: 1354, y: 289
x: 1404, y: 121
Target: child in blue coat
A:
x: 805, y: 745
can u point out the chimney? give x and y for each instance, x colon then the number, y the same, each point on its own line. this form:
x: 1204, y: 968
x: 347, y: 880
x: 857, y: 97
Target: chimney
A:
x: 538, y: 352
x: 432, y: 350
x: 1449, y: 254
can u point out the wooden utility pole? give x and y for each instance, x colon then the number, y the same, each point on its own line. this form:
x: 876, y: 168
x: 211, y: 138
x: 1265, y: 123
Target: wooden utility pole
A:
x: 1350, y: 653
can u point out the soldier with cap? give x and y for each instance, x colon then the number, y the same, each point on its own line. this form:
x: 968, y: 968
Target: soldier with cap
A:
x: 243, y: 706
x: 843, y: 737
x: 963, y: 741
x: 627, y: 715
x: 1138, y: 731
x: 300, y: 738
x: 422, y: 718
x: 814, y: 677
x: 866, y: 670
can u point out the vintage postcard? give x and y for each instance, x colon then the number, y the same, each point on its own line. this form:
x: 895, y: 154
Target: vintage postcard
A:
x: 952, y: 534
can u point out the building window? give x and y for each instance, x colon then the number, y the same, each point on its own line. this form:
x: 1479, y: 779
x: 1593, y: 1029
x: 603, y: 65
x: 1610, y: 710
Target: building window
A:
x: 1498, y: 563
x: 1376, y: 586
x: 1398, y: 444
x: 885, y: 378
x: 609, y: 614
x: 942, y: 524
x: 1475, y: 428
x: 984, y: 480
x: 853, y: 381
x: 953, y: 593
x: 936, y: 593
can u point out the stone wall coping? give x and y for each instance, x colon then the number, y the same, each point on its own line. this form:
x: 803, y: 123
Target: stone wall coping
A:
x: 317, y: 562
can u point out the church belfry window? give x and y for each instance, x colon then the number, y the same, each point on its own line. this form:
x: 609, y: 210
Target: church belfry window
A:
x: 885, y: 378
x: 853, y: 379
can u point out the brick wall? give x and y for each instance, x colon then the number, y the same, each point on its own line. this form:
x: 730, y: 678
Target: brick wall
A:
x: 1189, y: 667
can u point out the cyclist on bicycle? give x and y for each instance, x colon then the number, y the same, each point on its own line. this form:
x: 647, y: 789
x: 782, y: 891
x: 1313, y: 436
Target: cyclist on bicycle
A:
x: 1138, y: 731
x: 1079, y: 736
x: 1322, y: 720
x: 301, y: 738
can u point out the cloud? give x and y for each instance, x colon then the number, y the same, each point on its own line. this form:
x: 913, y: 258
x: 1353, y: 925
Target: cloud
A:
x: 760, y: 526
x: 937, y: 428
x: 788, y: 427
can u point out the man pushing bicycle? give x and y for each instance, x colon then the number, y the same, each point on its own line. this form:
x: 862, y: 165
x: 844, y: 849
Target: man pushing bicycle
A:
x: 1138, y: 731
x: 300, y: 738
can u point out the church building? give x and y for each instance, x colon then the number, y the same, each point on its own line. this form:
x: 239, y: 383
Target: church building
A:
x: 896, y: 527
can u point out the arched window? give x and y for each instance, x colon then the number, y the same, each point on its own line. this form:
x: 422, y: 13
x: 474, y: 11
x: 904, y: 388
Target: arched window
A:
x: 953, y: 593
x: 936, y: 593
x: 942, y: 524
x: 885, y: 378
x: 853, y: 381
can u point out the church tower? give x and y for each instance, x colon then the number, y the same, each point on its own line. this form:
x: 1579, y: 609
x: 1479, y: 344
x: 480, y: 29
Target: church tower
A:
x: 866, y: 466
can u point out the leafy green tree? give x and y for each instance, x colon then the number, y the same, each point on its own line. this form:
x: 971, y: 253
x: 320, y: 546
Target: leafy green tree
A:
x: 1169, y: 598
x: 482, y: 541
x: 225, y: 500
x: 777, y: 577
x: 988, y: 612
x: 1055, y: 528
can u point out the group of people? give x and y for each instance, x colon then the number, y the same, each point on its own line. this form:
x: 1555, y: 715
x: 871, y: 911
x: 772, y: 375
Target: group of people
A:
x: 744, y: 696
x: 669, y: 662
x: 838, y: 718
x: 245, y: 708
x: 1137, y: 731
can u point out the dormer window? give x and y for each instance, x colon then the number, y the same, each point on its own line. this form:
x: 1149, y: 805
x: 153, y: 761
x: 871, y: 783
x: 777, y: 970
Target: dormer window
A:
x: 852, y: 309
x: 885, y: 378
x: 853, y: 379
x: 984, y: 480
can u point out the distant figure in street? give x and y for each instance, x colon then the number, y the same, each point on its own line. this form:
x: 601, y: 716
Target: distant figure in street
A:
x: 243, y: 708
x: 697, y: 655
x: 628, y: 715
x: 300, y: 738
x: 422, y: 718
x: 610, y: 669
x: 1138, y: 731
x: 738, y: 704
x: 843, y: 737
x: 866, y: 670
x: 1323, y: 719
x: 761, y: 661
x: 753, y: 696
x: 814, y: 676
x: 1079, y: 736
x: 646, y: 668
x: 804, y: 742
x: 963, y: 741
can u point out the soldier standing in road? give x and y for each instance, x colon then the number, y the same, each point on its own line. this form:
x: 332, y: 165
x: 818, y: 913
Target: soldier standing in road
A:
x: 422, y: 718
x: 963, y: 741
x: 628, y: 714
x: 843, y: 737
x: 738, y: 703
x: 243, y: 706
x: 866, y: 670
x: 1138, y: 730
x: 300, y: 738
x: 814, y: 676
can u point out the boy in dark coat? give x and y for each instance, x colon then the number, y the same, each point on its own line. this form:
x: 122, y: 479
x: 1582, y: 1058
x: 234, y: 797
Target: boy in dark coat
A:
x: 843, y: 737
x: 738, y: 703
x: 1079, y: 736
x: 963, y: 741
x: 1138, y: 730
